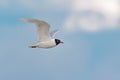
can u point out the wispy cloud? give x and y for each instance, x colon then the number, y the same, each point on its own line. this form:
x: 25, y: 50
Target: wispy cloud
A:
x: 93, y: 15
x: 34, y: 4
x: 4, y: 3
x: 87, y: 15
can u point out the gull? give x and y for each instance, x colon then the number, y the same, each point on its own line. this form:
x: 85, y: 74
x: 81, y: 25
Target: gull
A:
x: 46, y: 39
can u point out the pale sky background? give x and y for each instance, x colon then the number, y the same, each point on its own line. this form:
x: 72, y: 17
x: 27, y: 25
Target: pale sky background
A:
x: 89, y: 28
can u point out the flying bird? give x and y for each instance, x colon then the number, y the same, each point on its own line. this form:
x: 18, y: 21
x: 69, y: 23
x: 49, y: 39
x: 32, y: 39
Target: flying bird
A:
x: 46, y: 39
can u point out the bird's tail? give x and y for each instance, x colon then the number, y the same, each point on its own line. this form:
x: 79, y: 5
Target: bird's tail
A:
x: 33, y: 46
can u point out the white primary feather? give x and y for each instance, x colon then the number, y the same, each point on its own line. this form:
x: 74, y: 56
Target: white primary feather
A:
x: 42, y: 27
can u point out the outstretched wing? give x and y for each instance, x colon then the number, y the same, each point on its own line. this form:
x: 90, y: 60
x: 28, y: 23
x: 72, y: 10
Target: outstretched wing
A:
x: 53, y: 33
x: 42, y: 27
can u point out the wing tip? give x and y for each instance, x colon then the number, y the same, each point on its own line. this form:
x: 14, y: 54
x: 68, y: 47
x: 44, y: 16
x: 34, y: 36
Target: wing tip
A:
x: 23, y: 19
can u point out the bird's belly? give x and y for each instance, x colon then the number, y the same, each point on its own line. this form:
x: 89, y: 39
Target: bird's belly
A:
x: 47, y: 44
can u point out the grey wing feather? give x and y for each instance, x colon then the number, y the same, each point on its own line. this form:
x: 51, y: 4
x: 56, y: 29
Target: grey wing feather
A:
x: 53, y: 33
x: 42, y: 27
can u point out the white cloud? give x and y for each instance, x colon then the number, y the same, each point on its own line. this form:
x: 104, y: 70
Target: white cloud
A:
x: 93, y: 15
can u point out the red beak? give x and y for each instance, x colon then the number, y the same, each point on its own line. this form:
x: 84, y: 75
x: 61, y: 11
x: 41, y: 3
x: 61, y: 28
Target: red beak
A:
x: 62, y: 42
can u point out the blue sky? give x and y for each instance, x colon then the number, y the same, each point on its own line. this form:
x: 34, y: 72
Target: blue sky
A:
x: 91, y: 33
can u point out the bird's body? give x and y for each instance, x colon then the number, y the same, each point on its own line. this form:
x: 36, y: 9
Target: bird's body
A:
x: 45, y: 44
x: 46, y: 39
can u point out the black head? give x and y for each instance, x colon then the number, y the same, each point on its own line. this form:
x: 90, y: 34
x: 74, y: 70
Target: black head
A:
x: 57, y: 41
